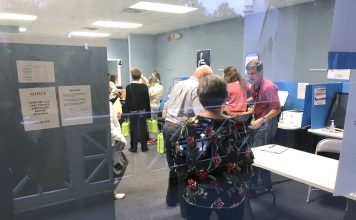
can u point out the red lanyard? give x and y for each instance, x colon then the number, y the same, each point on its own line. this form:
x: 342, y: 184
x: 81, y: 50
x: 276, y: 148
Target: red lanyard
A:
x: 257, y: 92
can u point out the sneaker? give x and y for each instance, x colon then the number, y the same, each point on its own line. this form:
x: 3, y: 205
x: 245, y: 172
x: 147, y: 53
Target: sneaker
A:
x: 119, y: 195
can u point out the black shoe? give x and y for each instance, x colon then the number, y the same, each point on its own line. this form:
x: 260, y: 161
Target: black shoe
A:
x: 252, y: 193
x: 144, y: 150
x: 171, y: 203
x: 132, y: 150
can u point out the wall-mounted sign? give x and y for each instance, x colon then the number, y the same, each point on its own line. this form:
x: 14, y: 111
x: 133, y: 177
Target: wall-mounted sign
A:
x: 35, y: 71
x: 75, y: 105
x: 119, y: 63
x: 174, y: 36
x: 203, y: 57
x: 39, y: 108
x: 342, y: 74
x: 301, y: 90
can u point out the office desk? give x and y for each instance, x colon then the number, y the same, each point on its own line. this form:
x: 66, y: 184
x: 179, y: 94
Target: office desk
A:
x: 297, y: 137
x: 325, y: 133
x: 311, y: 169
x: 288, y: 126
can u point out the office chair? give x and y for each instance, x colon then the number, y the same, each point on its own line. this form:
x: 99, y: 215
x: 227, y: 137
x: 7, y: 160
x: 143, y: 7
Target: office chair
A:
x: 327, y: 145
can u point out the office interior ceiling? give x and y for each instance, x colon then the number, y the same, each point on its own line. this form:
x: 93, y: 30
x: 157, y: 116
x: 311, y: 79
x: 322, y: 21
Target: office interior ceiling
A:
x: 60, y: 17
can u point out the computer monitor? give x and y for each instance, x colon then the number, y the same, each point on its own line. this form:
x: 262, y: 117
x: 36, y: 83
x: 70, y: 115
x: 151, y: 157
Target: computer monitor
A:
x: 338, y: 110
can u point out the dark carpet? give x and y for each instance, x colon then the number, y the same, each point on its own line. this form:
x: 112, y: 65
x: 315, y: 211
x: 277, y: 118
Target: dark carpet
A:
x: 145, y: 185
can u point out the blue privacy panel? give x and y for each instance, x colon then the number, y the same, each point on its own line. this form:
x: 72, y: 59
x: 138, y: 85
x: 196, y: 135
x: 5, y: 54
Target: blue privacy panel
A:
x: 292, y: 102
x: 306, y: 120
x: 345, y: 87
x: 319, y: 113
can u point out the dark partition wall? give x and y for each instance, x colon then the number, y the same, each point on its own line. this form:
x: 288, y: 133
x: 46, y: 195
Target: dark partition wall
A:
x: 66, y: 163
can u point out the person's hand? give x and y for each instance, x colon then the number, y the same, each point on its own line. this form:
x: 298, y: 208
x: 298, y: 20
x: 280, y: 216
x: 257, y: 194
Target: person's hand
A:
x: 256, y: 124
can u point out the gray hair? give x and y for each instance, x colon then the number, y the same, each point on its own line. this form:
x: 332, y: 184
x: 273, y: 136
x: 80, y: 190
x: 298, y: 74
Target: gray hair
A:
x: 255, y: 63
x: 212, y: 92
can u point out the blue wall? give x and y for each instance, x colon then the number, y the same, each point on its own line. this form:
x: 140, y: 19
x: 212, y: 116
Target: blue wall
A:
x: 314, y: 29
x: 142, y: 52
x: 119, y: 49
x: 273, y: 36
x: 178, y: 57
x: 291, y: 40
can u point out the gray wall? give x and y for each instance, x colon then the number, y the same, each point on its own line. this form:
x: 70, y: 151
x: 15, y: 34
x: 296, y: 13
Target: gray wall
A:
x: 178, y: 57
x: 142, y: 52
x: 119, y: 49
x: 291, y: 40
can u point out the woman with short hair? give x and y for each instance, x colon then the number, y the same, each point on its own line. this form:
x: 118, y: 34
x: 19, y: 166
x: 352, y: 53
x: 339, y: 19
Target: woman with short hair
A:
x: 213, y: 158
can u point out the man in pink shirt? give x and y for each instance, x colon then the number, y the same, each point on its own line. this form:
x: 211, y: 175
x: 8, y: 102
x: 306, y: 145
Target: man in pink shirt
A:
x: 266, y: 111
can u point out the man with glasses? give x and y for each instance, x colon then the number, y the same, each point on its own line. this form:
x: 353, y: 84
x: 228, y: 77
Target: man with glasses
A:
x: 266, y: 111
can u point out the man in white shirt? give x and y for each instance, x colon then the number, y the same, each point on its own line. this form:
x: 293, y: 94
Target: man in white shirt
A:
x: 183, y: 103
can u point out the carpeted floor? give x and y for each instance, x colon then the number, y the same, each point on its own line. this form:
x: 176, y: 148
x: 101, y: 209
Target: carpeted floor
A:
x: 145, y: 185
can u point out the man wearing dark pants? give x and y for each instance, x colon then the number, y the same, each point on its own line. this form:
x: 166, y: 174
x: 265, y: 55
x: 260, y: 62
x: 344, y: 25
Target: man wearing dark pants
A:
x: 266, y: 111
x: 183, y: 103
x: 137, y: 104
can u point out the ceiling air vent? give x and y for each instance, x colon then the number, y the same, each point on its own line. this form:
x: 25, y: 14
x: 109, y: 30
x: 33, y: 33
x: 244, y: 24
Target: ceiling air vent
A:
x: 90, y: 28
x: 132, y: 11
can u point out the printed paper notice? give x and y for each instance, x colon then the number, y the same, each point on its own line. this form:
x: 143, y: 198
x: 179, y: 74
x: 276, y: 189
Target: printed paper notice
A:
x: 39, y: 108
x: 342, y: 74
x: 35, y: 71
x: 75, y: 105
x: 301, y: 90
x: 320, y: 96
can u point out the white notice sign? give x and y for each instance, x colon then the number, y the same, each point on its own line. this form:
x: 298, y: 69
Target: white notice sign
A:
x: 35, y: 71
x: 39, y: 108
x: 343, y: 74
x: 301, y: 90
x: 75, y: 104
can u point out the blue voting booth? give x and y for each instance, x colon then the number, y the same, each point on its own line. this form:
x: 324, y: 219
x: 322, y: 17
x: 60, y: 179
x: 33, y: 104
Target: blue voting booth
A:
x: 316, y: 103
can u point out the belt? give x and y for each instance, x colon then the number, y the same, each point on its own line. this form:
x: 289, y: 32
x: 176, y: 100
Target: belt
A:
x: 171, y: 124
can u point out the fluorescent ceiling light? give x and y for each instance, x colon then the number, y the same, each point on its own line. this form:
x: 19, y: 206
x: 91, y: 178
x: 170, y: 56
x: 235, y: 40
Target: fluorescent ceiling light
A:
x: 22, y: 17
x: 116, y: 24
x: 160, y: 7
x: 22, y: 29
x: 88, y: 34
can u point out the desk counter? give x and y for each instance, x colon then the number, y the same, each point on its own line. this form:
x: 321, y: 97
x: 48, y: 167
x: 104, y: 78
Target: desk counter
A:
x: 325, y: 133
x: 310, y: 169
